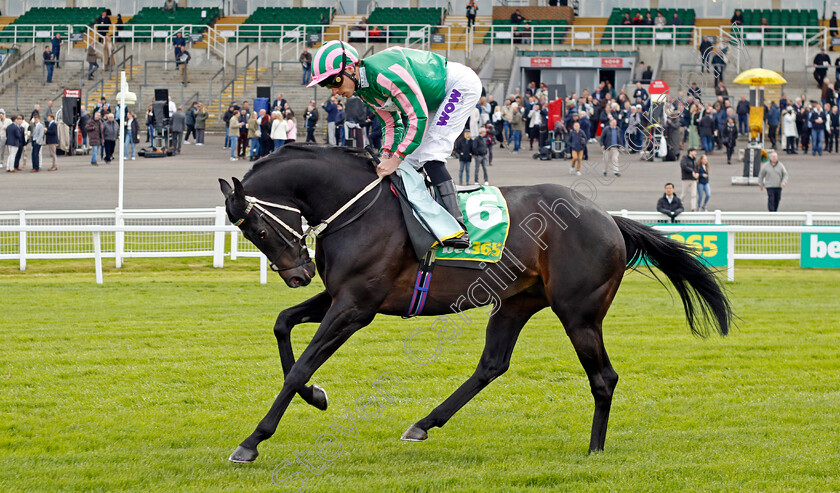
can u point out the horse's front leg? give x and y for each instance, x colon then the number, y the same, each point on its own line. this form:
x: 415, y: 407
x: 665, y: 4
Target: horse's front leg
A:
x: 312, y: 310
x: 343, y: 319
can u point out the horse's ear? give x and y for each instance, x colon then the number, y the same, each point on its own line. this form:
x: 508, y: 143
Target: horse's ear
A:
x: 226, y: 188
x: 238, y: 189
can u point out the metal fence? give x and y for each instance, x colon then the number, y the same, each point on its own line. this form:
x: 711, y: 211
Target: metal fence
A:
x: 98, y: 234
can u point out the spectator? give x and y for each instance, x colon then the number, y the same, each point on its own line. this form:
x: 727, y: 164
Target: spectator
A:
x: 279, y: 129
x: 789, y: 130
x: 773, y: 176
x: 463, y: 149
x: 626, y: 20
x: 517, y: 125
x: 310, y: 120
x: 647, y: 75
x: 200, y: 123
x: 291, y: 127
x: 110, y: 133
x: 51, y: 139
x: 479, y: 151
x: 638, y: 20
x: 534, y: 122
x: 177, y: 124
x: 119, y: 25
x: 178, y: 43
x: 279, y: 103
x: 306, y: 65
x: 695, y: 91
x: 132, y: 135
x: 737, y: 18
x: 576, y: 141
x: 817, y: 119
x: 612, y: 141
x: 49, y: 62
x: 37, y: 143
x: 718, y: 59
x: 675, y: 21
x: 705, y: 48
x: 266, y: 143
x: 669, y: 204
x: 640, y: 92
x: 516, y: 18
x: 108, y: 52
x: 660, y: 21
x: 774, y: 116
x: 827, y: 92
x: 706, y: 129
x: 170, y: 5
x: 703, y: 190
x: 340, y: 120
x: 254, y: 135
x: 94, y: 133
x: 730, y: 138
x: 231, y: 111
x: 689, y: 175
x: 189, y: 121
x: 56, y: 49
x: 834, y: 129
x: 832, y: 28
x: 233, y: 132
x: 720, y: 89
x: 15, y: 140
x: 331, y: 109
x: 472, y: 10
x: 103, y: 24
x: 821, y: 64
x: 91, y: 60
x: 743, y: 111
x: 648, y: 20
x: 355, y: 113
x: 242, y: 139
x: 4, y: 124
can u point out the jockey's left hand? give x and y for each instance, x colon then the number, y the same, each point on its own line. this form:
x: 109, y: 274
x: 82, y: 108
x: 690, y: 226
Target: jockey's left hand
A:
x: 388, y: 166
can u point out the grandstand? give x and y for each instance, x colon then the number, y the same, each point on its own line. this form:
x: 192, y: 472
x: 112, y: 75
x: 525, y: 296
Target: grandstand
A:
x: 240, y: 51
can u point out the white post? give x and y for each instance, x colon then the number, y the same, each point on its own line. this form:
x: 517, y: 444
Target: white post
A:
x: 119, y: 238
x: 97, y: 255
x: 730, y: 256
x: 234, y: 245
x: 123, y: 90
x: 22, y: 245
x: 263, y: 269
x: 219, y: 239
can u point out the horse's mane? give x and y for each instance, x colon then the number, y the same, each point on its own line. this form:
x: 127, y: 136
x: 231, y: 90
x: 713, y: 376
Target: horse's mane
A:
x: 297, y: 150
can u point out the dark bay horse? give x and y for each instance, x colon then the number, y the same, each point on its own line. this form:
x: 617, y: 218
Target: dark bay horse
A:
x: 563, y: 252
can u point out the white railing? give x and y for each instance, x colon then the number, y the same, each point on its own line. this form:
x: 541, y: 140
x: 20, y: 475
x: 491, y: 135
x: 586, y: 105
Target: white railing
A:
x: 100, y: 234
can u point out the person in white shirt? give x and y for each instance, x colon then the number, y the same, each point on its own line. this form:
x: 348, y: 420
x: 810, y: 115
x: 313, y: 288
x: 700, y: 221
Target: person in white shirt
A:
x: 279, y: 129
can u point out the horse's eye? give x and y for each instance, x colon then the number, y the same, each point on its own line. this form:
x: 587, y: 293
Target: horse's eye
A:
x: 262, y: 234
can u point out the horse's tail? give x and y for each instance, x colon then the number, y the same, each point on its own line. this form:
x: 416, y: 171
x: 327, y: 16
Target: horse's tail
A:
x: 700, y: 291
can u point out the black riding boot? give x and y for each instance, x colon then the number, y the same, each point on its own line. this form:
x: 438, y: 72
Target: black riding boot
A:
x: 449, y: 197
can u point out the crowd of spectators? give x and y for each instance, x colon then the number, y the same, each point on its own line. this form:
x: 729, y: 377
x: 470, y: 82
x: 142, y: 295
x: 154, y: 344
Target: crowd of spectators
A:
x: 23, y: 140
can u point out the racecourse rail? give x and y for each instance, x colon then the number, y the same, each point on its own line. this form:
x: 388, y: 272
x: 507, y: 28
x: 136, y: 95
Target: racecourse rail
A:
x: 142, y: 233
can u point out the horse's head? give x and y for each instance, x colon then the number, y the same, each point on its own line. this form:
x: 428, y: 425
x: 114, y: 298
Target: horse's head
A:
x: 279, y: 237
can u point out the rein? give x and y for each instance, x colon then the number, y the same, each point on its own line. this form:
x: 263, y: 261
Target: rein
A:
x: 316, y: 231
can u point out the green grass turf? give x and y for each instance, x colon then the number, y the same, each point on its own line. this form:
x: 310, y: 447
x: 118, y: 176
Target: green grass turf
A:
x: 148, y: 382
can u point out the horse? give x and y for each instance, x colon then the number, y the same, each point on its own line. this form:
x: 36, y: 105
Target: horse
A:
x: 562, y: 252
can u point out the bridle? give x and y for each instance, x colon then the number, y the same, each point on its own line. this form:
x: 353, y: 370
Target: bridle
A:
x: 317, y: 231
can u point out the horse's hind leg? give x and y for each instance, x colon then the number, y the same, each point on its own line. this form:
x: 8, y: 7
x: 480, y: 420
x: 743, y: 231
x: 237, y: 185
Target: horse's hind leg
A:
x: 311, y: 310
x: 582, y: 320
x: 502, y: 331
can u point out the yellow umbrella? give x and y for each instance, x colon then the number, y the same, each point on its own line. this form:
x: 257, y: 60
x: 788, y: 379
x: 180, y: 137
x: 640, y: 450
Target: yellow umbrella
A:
x: 759, y: 77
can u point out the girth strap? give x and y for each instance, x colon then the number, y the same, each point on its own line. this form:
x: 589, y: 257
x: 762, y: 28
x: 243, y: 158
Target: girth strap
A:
x: 421, y: 285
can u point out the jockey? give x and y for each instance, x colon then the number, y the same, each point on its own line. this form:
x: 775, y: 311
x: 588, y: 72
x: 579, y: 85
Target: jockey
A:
x: 434, y: 95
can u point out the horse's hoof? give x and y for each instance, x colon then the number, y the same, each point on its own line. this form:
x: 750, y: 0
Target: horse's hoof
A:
x: 319, y: 398
x: 414, y: 434
x: 243, y: 455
